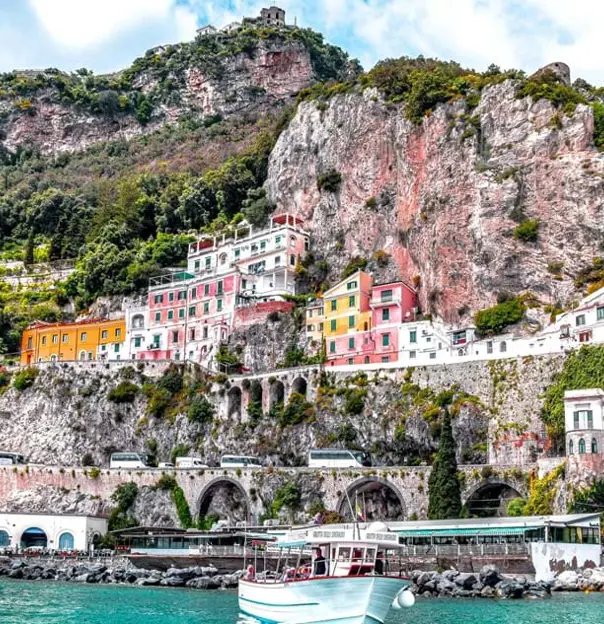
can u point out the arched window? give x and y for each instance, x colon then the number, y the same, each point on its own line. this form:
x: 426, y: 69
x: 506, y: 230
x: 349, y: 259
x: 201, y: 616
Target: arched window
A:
x: 138, y: 321
x: 66, y: 541
x: 571, y: 448
x: 222, y: 258
x: 82, y: 356
x: 594, y: 446
x: 581, y: 446
x: 53, y: 358
x: 4, y: 538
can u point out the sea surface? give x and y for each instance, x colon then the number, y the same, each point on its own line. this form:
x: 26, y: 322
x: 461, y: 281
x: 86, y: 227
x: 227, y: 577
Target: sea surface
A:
x: 41, y: 602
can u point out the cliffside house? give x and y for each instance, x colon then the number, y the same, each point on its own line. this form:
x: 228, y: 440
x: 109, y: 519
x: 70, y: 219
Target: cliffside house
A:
x: 190, y: 312
x: 584, y: 425
x: 271, y: 16
x: 206, y: 30
x: 94, y: 339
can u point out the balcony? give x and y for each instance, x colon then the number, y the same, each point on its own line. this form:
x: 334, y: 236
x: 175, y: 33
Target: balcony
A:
x: 376, y: 302
x: 166, y: 281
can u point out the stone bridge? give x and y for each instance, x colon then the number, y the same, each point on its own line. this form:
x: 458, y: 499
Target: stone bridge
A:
x: 485, y: 489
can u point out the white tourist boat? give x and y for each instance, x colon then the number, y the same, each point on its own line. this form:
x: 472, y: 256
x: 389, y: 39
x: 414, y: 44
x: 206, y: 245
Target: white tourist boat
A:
x: 340, y: 575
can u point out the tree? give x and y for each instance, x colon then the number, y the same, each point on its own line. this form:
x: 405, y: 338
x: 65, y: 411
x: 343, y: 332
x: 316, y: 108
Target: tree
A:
x: 445, y: 492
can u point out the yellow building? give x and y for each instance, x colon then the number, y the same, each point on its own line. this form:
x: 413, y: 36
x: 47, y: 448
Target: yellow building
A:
x: 347, y: 311
x: 315, y: 320
x: 63, y: 342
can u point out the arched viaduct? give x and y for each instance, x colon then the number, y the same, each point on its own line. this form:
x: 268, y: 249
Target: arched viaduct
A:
x: 401, y: 493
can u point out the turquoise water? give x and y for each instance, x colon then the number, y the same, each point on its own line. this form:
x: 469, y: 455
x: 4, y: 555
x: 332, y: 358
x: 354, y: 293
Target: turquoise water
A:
x: 23, y: 602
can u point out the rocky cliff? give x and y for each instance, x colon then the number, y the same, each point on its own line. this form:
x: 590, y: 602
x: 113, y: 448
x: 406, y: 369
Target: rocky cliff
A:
x: 443, y: 197
x: 244, y: 73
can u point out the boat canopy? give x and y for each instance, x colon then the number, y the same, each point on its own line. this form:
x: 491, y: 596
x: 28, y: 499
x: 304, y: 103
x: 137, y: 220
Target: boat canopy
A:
x: 465, y: 532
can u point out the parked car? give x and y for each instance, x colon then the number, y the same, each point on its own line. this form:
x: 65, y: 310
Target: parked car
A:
x: 165, y: 465
x: 190, y: 462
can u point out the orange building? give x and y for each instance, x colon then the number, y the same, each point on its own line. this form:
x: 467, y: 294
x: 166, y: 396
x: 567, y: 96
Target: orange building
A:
x: 95, y: 339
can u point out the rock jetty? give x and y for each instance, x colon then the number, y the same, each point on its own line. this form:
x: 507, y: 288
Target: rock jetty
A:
x: 79, y: 572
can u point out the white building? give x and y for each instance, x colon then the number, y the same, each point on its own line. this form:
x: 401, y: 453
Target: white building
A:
x: 231, y: 27
x: 206, y: 30
x: 50, y: 531
x: 584, y: 423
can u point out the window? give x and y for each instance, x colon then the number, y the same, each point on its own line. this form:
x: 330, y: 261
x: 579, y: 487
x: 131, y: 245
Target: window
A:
x: 292, y: 241
x: 205, y: 331
x: 29, y: 342
x: 576, y: 420
x: 193, y: 293
x: 351, y: 343
x: 182, y: 295
x: 385, y: 359
x: 386, y: 296
x: 600, y: 313
x: 581, y: 446
x: 503, y: 347
x: 277, y: 240
x: 90, y: 355
x: 219, y: 305
x: 43, y: 340
x: 351, y: 301
x: 170, y: 315
x: 137, y: 342
x: 118, y: 332
x: 594, y: 446
x: 320, y: 327
x: 433, y: 355
x: 277, y: 260
x: 366, y: 360
x: 412, y: 355
x: 206, y: 290
x: 237, y: 253
x: 350, y: 361
x: 262, y: 245
x: 580, y: 320
x: 181, y: 313
x: 590, y: 419
x: 332, y: 346
x: 385, y: 340
x: 223, y: 258
x: 333, y: 325
x: 175, y: 336
x: 571, y: 448
x: 159, y: 299
x: 413, y: 336
x: 158, y: 317
x: 171, y: 296
x: 156, y: 340
x: 196, y: 265
x: 104, y: 334
x: 585, y: 336
x: 208, y: 263
x: 351, y: 321
x: 459, y: 337
x: 352, y: 285
x: 292, y: 260
x: 192, y: 310
x: 55, y: 338
x: 386, y: 314
x: 83, y: 336
x: 220, y: 288
x: 489, y: 346
x: 333, y: 305
x: 192, y: 334
x: 206, y: 307
x: 116, y: 347
x: 64, y: 338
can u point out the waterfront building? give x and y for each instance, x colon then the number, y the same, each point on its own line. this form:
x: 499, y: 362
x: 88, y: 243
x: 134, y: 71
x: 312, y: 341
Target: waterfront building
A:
x: 584, y: 425
x: 229, y: 278
x: 93, y: 339
x: 62, y: 532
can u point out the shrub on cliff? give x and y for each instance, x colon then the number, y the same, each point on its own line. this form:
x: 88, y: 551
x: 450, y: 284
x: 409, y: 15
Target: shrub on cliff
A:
x: 200, y: 411
x: 591, y: 276
x: 494, y: 320
x: 296, y: 411
x: 354, y: 264
x: 169, y: 484
x: 598, y: 109
x: 527, y: 231
x: 124, y: 392
x: 124, y: 497
x: 547, y: 85
x: 25, y: 378
x: 443, y: 484
x: 329, y: 181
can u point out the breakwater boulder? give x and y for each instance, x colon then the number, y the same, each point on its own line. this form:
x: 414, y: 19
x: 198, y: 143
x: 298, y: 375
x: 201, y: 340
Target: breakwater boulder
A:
x: 78, y: 572
x: 590, y: 579
x: 488, y: 583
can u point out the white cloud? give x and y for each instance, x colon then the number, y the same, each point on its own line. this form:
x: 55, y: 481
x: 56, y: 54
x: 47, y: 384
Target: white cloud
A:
x: 80, y: 24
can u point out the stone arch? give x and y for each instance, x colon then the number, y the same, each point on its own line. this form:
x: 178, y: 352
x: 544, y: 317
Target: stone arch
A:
x: 300, y: 386
x: 255, y: 405
x: 234, y: 402
x: 225, y: 498
x: 490, y: 499
x: 377, y: 498
x: 276, y: 394
x: 34, y: 537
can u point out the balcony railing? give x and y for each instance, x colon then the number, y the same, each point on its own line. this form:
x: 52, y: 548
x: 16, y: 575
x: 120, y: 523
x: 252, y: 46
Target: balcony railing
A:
x: 380, y: 301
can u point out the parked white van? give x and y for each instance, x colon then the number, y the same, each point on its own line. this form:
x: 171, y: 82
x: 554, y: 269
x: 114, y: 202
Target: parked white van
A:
x: 190, y: 462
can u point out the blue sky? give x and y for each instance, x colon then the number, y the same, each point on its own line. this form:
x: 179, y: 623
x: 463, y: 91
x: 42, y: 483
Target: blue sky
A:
x: 107, y: 35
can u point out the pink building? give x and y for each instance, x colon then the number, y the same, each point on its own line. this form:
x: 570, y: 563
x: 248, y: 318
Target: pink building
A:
x: 191, y: 312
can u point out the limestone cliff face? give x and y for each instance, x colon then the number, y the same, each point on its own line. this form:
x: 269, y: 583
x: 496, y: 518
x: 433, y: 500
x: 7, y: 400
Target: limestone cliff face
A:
x: 248, y: 83
x: 448, y: 193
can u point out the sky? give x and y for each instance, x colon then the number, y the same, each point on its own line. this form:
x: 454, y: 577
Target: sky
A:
x: 107, y: 35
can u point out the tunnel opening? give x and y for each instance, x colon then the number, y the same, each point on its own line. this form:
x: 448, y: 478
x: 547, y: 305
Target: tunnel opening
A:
x: 491, y: 500
x: 277, y: 395
x: 223, y: 499
x: 372, y: 499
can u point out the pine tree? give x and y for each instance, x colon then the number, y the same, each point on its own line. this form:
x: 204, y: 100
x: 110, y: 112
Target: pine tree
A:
x: 444, y: 489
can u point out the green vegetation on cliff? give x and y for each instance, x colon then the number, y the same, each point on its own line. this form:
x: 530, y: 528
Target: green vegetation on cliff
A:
x: 496, y: 319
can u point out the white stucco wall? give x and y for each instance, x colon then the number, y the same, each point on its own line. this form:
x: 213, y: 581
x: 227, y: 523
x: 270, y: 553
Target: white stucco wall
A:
x: 81, y: 527
x: 548, y: 555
